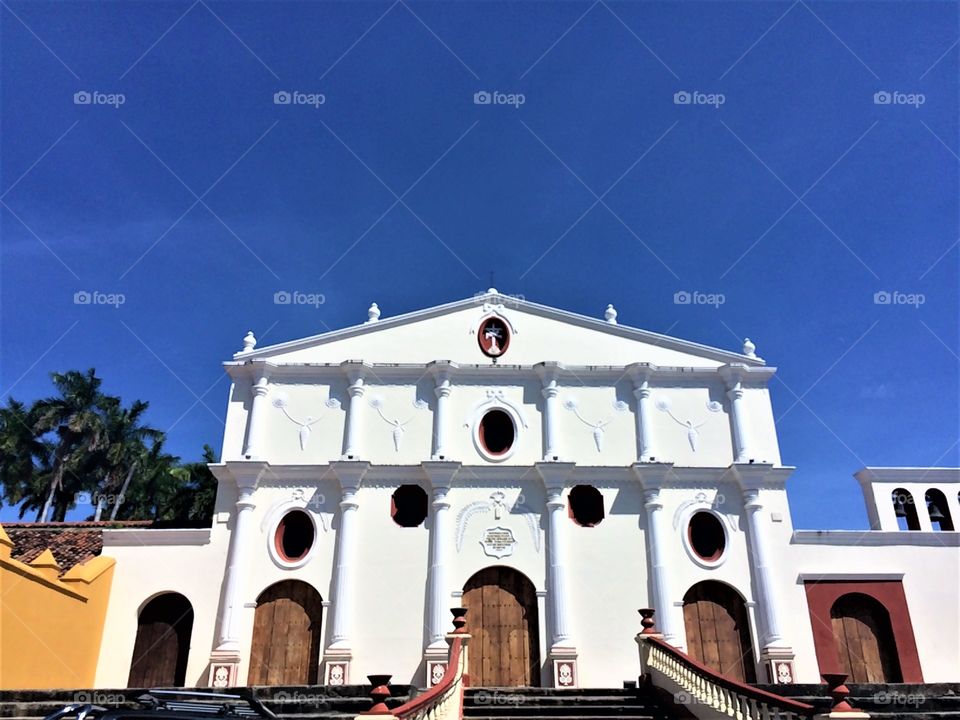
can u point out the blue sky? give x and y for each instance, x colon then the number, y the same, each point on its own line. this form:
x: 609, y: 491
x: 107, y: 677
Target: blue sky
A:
x: 786, y: 185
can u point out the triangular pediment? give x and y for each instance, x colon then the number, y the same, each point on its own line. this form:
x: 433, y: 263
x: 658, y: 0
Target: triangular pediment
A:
x: 534, y: 333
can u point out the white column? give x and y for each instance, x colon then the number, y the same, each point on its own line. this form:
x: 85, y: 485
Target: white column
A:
x: 548, y: 372
x: 738, y: 419
x: 554, y: 477
x: 440, y: 416
x: 244, y: 527
x: 356, y: 390
x: 767, y: 596
x: 644, y: 415
x: 441, y: 475
x: 258, y: 411
x: 658, y: 534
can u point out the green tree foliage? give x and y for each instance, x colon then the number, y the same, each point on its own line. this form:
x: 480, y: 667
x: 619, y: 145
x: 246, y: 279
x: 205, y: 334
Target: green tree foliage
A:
x: 81, y: 445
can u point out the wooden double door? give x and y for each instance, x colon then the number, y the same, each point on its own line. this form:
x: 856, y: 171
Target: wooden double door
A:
x: 864, y: 639
x: 718, y: 634
x: 286, y: 635
x: 502, y: 617
x: 162, y: 645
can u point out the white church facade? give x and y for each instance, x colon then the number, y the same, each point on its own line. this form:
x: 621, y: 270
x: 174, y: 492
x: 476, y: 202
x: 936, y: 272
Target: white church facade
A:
x: 548, y: 471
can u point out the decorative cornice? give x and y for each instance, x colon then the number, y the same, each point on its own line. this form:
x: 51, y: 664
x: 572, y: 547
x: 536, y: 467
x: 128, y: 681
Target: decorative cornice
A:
x: 516, y: 304
x: 870, y: 475
x: 135, y: 537
x: 873, y: 538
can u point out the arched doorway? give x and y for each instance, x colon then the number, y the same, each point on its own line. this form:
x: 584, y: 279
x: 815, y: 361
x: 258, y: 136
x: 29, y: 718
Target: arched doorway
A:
x: 864, y: 639
x: 163, y: 643
x: 718, y: 634
x: 503, y: 620
x: 286, y: 635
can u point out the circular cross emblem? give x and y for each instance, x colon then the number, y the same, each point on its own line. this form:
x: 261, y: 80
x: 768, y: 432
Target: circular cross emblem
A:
x: 493, y: 336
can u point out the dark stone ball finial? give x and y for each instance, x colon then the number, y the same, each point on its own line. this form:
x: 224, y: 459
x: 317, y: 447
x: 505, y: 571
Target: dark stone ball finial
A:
x: 647, y: 621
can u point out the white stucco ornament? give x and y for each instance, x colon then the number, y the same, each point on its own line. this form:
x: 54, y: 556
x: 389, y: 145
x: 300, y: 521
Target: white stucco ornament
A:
x: 249, y: 341
x: 373, y: 313
x: 498, y: 506
x: 398, y: 426
x: 280, y: 401
x: 693, y: 430
x: 600, y: 425
x: 749, y: 349
x: 610, y: 315
x: 498, y: 542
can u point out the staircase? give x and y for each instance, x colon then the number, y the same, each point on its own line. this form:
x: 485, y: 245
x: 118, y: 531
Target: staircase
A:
x: 892, y: 701
x: 296, y: 702
x: 581, y: 704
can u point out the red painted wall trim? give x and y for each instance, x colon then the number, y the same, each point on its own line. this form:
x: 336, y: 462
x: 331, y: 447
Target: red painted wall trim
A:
x: 822, y: 594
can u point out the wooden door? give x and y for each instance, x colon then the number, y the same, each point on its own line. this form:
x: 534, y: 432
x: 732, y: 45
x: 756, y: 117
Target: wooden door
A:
x: 286, y: 636
x: 718, y: 635
x: 162, y: 646
x: 503, y: 620
x: 864, y: 638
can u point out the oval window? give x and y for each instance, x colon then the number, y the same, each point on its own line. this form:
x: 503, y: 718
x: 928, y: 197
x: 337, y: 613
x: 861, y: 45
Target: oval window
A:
x: 706, y: 535
x: 496, y: 432
x: 408, y: 506
x: 294, y: 536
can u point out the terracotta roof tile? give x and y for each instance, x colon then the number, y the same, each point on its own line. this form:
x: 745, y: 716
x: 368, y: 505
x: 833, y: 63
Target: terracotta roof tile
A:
x: 70, y: 542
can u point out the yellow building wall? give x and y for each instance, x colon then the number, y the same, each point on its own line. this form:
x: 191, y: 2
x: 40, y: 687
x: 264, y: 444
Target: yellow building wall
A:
x: 50, y: 626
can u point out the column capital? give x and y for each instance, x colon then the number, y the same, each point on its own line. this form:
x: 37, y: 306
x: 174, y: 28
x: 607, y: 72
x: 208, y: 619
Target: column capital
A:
x: 652, y: 475
x: 554, y: 474
x: 548, y: 372
x: 640, y: 373
x: 442, y: 370
x: 753, y: 476
x: 440, y: 473
x: 733, y: 374
x: 350, y: 473
x: 356, y: 371
x: 246, y: 474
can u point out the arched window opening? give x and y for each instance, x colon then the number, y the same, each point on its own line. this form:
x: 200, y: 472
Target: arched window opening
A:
x: 163, y: 643
x: 706, y: 536
x: 586, y: 505
x: 718, y: 634
x: 295, y: 535
x: 497, y: 432
x: 938, y: 510
x: 408, y: 506
x: 905, y: 510
x: 864, y: 639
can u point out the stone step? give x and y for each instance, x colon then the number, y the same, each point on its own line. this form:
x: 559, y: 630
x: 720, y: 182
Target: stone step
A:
x: 563, y: 708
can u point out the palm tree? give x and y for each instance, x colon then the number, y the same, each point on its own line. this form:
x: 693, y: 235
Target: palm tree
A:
x: 124, y: 449
x: 20, y: 451
x: 73, y: 417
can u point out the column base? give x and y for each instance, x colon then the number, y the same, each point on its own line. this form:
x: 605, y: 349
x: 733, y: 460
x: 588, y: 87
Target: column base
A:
x: 336, y: 666
x: 224, y: 669
x: 563, y: 660
x: 435, y: 658
x: 778, y: 663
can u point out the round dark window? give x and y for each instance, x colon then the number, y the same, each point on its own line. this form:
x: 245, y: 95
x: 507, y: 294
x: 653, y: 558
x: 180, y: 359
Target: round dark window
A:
x: 295, y: 535
x: 707, y: 537
x: 586, y: 505
x: 408, y: 506
x: 497, y: 432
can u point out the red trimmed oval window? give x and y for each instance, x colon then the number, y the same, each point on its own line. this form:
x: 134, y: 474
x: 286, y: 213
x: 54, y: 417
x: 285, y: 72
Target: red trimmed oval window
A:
x: 706, y: 535
x: 295, y: 535
x: 497, y: 432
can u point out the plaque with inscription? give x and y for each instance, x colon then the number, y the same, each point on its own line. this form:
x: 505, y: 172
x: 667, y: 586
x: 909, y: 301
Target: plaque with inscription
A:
x: 498, y: 542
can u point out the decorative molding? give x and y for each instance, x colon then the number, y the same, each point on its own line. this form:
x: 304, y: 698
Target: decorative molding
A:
x: 849, y: 577
x: 599, y: 426
x: 398, y: 427
x: 488, y: 310
x: 135, y: 537
x: 496, y: 505
x: 498, y: 542
x: 876, y: 538
x: 281, y: 402
x: 496, y: 397
x: 663, y: 404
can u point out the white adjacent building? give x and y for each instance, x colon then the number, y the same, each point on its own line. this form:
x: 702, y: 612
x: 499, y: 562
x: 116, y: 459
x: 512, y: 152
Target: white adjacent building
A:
x: 549, y: 471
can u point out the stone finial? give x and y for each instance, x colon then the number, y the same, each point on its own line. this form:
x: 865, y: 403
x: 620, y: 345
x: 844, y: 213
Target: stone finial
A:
x: 379, y: 692
x: 839, y: 692
x: 492, y: 291
x: 459, y: 619
x: 249, y: 341
x: 373, y: 313
x: 647, y: 621
x: 610, y: 315
x: 749, y: 349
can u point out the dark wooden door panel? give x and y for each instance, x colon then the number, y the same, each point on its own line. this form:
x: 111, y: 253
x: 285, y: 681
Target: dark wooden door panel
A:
x: 502, y: 617
x: 286, y: 636
x: 162, y: 645
x: 865, y: 644
x: 718, y: 634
